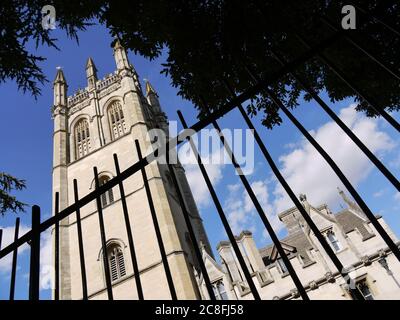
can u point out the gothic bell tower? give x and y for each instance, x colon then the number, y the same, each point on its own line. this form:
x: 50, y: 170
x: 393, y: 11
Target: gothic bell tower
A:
x: 90, y: 126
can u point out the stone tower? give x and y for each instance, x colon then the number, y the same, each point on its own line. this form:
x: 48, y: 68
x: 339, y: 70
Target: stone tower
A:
x: 89, y: 127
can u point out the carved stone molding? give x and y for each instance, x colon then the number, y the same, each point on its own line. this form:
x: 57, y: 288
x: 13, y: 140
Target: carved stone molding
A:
x: 56, y: 110
x: 366, y: 260
x: 79, y: 107
x: 329, y: 277
x: 294, y: 293
x: 109, y: 89
x: 382, y: 253
x: 313, y: 285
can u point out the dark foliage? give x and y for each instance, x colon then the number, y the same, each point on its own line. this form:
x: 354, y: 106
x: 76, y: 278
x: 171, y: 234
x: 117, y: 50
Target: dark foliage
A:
x: 9, y: 183
x: 211, y: 41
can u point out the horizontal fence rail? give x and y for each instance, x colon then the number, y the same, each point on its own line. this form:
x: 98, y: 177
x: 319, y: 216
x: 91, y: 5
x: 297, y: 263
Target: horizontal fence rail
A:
x: 260, y: 84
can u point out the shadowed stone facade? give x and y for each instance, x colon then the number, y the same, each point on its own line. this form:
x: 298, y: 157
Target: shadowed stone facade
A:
x: 374, y: 269
x: 89, y: 127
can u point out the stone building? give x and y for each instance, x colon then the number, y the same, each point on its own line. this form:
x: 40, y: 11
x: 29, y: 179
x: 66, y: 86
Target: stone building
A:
x: 105, y: 118
x: 375, y: 271
x: 89, y: 127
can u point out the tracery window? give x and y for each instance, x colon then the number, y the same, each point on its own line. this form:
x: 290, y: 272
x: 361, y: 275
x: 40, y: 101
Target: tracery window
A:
x: 117, y: 120
x: 82, y: 138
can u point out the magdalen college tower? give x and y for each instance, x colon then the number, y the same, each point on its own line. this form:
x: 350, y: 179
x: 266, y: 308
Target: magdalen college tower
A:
x: 90, y: 126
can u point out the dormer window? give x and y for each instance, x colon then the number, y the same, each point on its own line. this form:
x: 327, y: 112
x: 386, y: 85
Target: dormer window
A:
x: 219, y: 290
x: 282, y: 265
x: 335, y: 244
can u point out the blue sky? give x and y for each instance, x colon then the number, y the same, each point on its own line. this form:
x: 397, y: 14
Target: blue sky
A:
x: 26, y: 151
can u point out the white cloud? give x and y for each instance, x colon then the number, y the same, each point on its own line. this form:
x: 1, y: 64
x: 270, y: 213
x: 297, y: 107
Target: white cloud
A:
x: 8, y: 238
x: 303, y: 168
x: 395, y: 162
x: 307, y: 172
x: 379, y: 193
x: 46, y: 261
x: 241, y: 212
x: 46, y: 266
x: 213, y: 166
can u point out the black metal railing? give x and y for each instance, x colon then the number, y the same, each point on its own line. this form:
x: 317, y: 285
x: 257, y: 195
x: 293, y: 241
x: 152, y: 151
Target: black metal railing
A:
x: 32, y: 237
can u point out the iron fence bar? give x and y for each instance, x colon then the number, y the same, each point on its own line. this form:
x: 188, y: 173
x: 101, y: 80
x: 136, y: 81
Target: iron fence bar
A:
x: 307, y: 218
x: 173, y: 142
x: 192, y: 235
x: 353, y: 86
x: 355, y: 43
x: 295, y: 200
x: 374, y: 17
x: 103, y: 237
x: 156, y: 226
x: 262, y: 215
x: 80, y: 244
x: 56, y: 249
x: 14, y: 261
x: 345, y: 128
x: 129, y: 232
x: 34, y: 268
x: 340, y: 175
x: 221, y: 213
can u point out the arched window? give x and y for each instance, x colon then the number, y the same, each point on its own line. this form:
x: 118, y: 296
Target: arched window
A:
x: 117, y: 120
x: 108, y: 196
x: 82, y: 138
x: 116, y: 262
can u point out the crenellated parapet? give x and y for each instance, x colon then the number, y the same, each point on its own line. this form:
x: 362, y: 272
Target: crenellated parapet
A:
x: 107, y: 81
x: 103, y: 87
x: 79, y: 96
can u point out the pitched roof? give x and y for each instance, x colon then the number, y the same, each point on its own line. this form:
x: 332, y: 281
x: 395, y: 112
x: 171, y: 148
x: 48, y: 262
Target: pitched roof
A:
x: 298, y: 240
x: 293, y: 243
x: 350, y: 221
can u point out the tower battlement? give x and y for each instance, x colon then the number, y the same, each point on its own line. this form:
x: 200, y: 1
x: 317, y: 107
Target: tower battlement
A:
x: 78, y: 96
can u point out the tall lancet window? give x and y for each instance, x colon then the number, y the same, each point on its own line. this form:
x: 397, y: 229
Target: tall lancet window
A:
x: 82, y: 138
x: 117, y: 120
x: 108, y: 196
x: 116, y: 262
